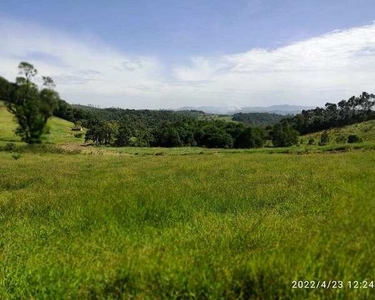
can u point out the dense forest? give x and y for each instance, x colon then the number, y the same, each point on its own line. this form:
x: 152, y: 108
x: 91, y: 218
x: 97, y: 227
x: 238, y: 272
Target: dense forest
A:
x: 258, y: 118
x: 167, y: 128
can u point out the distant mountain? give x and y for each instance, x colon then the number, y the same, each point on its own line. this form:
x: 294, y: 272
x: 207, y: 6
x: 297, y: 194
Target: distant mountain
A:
x: 284, y: 109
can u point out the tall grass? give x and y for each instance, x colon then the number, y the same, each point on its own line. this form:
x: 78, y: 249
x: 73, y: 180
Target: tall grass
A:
x: 223, y: 226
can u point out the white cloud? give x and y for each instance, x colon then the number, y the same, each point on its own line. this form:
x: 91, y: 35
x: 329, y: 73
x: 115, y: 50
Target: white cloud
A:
x: 314, y: 71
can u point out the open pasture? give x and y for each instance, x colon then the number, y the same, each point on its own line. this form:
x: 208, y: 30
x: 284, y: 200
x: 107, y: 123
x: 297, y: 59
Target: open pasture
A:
x: 220, y: 226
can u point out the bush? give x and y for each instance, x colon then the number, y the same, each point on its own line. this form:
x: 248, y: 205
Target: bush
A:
x: 10, y: 147
x: 341, y: 139
x: 311, y: 141
x: 324, y: 138
x: 353, y: 138
x: 78, y: 135
x: 16, y: 156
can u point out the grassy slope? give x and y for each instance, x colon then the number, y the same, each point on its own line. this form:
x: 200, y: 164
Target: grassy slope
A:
x: 60, y: 130
x: 365, y: 130
x: 215, y: 226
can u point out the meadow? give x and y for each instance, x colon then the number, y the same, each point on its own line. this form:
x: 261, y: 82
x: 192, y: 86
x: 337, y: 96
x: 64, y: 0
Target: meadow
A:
x: 184, y: 223
x: 220, y: 226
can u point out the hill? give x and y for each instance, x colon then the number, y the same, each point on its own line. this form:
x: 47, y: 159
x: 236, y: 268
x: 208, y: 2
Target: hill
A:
x: 364, y: 130
x: 59, y: 130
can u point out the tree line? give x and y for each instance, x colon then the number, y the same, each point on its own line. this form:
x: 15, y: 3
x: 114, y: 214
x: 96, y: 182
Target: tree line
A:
x: 354, y: 110
x: 133, y: 131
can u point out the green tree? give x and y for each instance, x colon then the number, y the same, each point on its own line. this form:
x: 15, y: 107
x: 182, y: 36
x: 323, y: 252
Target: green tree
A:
x: 250, y: 138
x: 283, y: 135
x: 102, y: 133
x: 30, y: 106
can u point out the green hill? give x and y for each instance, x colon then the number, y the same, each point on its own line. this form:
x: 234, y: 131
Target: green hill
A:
x: 364, y: 130
x: 59, y: 130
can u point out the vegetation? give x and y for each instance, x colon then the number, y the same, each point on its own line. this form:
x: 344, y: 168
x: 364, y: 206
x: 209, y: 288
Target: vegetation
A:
x: 364, y: 130
x: 283, y: 135
x: 31, y: 108
x: 258, y: 119
x: 195, y: 226
x: 186, y: 132
x: 355, y: 110
x: 324, y: 138
x: 354, y: 139
x: 58, y: 130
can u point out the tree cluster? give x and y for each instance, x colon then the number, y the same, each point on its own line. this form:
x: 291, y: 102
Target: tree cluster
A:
x: 133, y: 131
x: 346, y: 112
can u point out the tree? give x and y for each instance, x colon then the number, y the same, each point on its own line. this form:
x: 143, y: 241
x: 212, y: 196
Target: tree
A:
x: 30, y: 106
x: 132, y: 132
x: 250, y: 138
x: 5, y: 88
x: 166, y: 136
x: 102, y: 133
x: 283, y: 135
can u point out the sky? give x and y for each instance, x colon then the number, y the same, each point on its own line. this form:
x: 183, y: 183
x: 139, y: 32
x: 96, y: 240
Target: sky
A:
x: 171, y: 54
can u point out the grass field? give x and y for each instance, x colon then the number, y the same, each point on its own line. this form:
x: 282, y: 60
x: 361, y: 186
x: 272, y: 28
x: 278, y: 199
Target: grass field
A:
x: 225, y: 226
x: 184, y: 223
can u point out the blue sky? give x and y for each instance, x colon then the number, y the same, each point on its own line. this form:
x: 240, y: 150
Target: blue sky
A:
x: 167, y: 54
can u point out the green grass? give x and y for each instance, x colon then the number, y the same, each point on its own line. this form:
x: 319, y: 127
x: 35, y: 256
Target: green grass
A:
x: 365, y: 130
x: 60, y: 130
x: 224, y: 226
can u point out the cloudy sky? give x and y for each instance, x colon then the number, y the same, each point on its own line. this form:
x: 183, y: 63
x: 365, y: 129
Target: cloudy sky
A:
x: 169, y: 54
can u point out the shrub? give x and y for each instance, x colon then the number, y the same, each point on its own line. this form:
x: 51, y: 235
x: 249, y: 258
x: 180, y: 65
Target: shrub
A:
x: 10, y: 147
x: 311, y: 141
x: 78, y: 135
x: 16, y: 156
x: 353, y: 138
x: 341, y: 139
x: 324, y: 138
